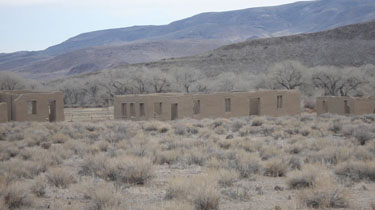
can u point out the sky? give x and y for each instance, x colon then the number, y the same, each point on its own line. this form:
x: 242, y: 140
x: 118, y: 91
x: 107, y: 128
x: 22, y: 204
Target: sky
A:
x: 37, y: 24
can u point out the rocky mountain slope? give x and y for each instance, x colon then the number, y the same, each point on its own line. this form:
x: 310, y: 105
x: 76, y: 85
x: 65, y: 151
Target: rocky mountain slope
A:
x: 107, y: 48
x: 352, y: 45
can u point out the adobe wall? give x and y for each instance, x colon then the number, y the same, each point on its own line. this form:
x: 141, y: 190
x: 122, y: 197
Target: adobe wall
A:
x: 20, y: 106
x: 336, y: 105
x: 211, y: 105
x: 149, y: 101
x: 7, y: 98
x: 364, y: 106
x: 3, y: 112
x: 291, y: 102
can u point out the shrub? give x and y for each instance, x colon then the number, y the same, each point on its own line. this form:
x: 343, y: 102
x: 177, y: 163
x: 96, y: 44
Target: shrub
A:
x: 237, y: 125
x: 59, y: 177
x: 303, y: 179
x: 205, y: 194
x: 93, y: 165
x: 324, y: 198
x: 275, y: 168
x: 180, y: 130
x: 130, y: 170
x: 336, y: 126
x: 362, y: 135
x: 196, y: 158
x: 178, y: 188
x: 237, y: 193
x: 357, y: 171
x: 16, y: 196
x: 59, y: 138
x: 257, y: 122
x: 200, y: 190
x: 306, y: 118
x: 39, y: 187
x: 246, y: 164
x: 226, y: 178
x: 169, y: 157
x: 295, y: 163
x: 104, y: 196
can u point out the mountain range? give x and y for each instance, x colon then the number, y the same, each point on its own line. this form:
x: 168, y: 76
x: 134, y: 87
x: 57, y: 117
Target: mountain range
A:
x: 98, y: 50
x: 352, y: 45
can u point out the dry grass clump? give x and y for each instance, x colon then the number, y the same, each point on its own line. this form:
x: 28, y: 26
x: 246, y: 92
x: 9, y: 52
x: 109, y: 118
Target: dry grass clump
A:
x: 363, y: 135
x: 336, y: 126
x: 39, y: 186
x: 257, y: 121
x: 225, y: 177
x: 177, y: 188
x: 275, y: 168
x: 60, y: 177
x: 129, y: 170
x: 205, y: 194
x: 201, y: 191
x: 357, y: 171
x: 59, y: 138
x: 310, y: 176
x: 324, y: 198
x: 16, y: 196
x: 246, y: 164
x: 93, y: 165
x: 167, y: 157
x: 103, y: 196
x: 322, y: 191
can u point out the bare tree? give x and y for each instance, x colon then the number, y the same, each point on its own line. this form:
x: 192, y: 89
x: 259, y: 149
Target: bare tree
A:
x: 288, y: 74
x: 11, y: 81
x: 160, y: 81
x: 74, y: 92
x: 338, y: 82
x: 187, y: 78
x: 139, y: 80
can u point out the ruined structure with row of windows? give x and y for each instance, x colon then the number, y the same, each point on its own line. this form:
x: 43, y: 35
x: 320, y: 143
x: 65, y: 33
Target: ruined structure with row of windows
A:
x: 172, y: 106
x: 43, y: 106
x: 31, y: 106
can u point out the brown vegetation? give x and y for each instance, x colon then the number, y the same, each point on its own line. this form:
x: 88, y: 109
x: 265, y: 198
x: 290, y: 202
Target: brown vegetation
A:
x: 291, y: 162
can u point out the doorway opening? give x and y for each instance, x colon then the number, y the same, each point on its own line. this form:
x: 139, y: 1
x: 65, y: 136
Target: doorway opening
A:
x: 174, y: 111
x: 254, y: 106
x: 52, y: 111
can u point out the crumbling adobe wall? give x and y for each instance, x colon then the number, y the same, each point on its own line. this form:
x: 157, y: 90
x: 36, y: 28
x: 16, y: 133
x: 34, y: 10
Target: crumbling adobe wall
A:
x: 3, y: 112
x: 291, y: 102
x: 7, y: 98
x: 149, y: 101
x: 20, y: 106
x: 211, y: 105
x: 364, y: 106
x: 336, y: 105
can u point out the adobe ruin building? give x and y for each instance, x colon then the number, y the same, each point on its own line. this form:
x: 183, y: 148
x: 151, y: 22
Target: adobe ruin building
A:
x: 345, y: 105
x: 172, y: 106
x: 23, y: 105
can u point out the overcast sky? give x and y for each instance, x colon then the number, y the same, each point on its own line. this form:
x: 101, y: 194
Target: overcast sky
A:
x: 38, y: 24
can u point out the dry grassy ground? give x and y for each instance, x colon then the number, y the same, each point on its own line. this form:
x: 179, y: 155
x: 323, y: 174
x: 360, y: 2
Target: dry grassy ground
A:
x: 247, y: 163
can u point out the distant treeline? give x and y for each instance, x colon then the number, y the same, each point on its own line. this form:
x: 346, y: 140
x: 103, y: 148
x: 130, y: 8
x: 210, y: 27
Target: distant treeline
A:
x: 99, y: 89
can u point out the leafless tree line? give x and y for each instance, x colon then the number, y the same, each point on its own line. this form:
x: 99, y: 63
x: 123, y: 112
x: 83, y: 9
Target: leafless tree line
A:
x: 99, y: 89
